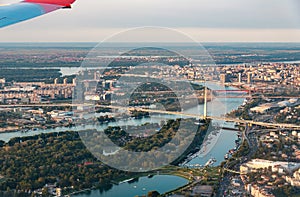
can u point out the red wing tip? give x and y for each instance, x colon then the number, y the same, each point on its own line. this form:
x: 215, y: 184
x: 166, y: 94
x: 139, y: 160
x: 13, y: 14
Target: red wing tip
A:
x: 64, y: 3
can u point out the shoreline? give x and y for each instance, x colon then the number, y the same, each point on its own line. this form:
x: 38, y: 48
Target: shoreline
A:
x: 142, y: 175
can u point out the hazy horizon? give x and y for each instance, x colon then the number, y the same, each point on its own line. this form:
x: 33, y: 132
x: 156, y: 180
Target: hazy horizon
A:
x: 203, y: 20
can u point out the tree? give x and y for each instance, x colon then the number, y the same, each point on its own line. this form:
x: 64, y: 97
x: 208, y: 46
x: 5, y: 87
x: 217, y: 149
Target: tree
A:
x: 45, y: 192
x: 2, y: 143
x: 153, y: 194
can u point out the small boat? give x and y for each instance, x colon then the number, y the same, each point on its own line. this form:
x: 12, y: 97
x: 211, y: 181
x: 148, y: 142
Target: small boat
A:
x: 226, y: 156
x: 150, y: 175
x: 245, y: 102
x: 199, y: 123
x: 125, y: 181
x: 210, y: 162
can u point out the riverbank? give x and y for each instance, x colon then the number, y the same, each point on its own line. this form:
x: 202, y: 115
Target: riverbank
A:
x: 9, y: 129
x: 195, y: 145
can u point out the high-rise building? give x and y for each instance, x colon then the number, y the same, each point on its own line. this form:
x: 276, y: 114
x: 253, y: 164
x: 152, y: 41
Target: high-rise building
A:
x: 223, y: 78
x: 74, y: 81
x: 240, y: 78
x: 249, y: 78
x: 95, y: 76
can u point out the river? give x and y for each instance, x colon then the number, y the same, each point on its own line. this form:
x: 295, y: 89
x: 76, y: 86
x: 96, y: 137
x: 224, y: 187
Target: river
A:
x: 218, y: 143
x: 217, y: 147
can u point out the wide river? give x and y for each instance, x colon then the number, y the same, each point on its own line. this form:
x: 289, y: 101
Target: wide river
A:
x: 217, y: 144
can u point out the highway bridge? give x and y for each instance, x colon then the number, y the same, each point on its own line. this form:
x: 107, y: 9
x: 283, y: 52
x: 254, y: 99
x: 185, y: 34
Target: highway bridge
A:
x: 199, y: 116
x: 183, y: 114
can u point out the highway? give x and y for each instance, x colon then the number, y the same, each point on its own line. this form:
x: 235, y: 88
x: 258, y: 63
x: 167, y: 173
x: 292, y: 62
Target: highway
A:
x: 233, y: 171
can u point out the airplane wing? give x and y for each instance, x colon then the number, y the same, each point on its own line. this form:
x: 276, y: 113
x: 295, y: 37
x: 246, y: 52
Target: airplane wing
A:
x: 28, y: 9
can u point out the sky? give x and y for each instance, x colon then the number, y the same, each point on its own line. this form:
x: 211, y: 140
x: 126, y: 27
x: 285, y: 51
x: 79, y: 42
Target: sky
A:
x: 203, y: 20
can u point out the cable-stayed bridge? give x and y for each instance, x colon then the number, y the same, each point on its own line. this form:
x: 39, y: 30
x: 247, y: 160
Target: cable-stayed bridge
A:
x: 183, y: 114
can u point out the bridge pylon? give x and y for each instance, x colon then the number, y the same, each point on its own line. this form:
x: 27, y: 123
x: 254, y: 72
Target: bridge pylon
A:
x: 205, y: 103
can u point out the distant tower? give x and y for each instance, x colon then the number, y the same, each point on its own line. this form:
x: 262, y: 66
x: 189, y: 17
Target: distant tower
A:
x: 205, y: 103
x: 223, y: 78
x: 65, y: 81
x: 95, y: 75
x: 55, y: 81
x: 249, y: 78
x: 74, y: 81
x: 240, y: 78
